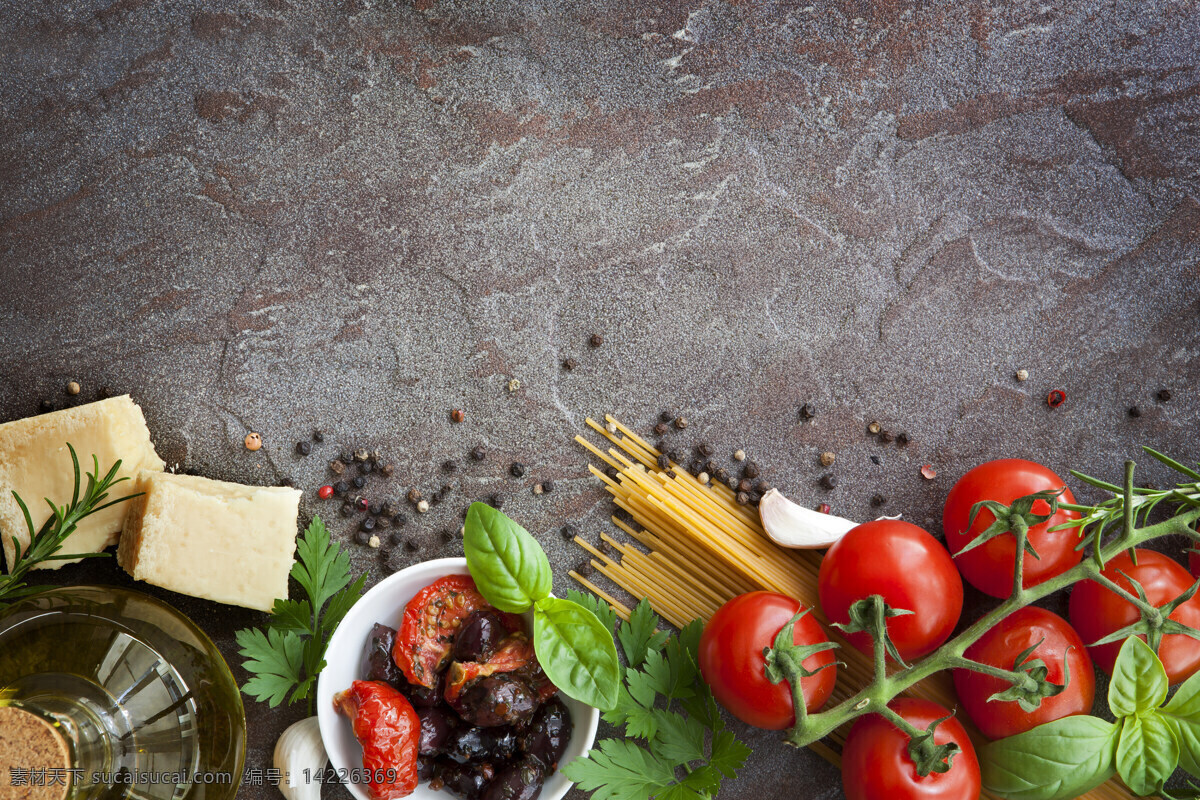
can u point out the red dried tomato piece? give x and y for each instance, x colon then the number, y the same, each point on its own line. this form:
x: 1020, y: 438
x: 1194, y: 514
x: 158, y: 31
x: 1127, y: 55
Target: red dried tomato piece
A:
x: 514, y: 653
x: 389, y: 731
x: 431, y: 620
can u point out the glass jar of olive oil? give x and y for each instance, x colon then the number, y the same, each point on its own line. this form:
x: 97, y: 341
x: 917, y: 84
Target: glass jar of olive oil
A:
x: 142, y: 701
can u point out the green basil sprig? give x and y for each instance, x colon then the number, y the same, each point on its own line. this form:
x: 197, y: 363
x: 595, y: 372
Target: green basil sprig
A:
x: 511, y: 571
x: 1067, y: 757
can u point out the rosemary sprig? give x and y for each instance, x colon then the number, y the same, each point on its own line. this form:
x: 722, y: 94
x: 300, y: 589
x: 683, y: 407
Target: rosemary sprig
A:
x: 45, y: 543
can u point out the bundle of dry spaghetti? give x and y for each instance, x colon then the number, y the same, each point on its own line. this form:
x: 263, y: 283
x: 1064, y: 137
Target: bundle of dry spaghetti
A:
x: 702, y: 548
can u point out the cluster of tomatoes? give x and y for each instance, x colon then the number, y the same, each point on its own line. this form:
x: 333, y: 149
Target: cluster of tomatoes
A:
x: 914, y: 572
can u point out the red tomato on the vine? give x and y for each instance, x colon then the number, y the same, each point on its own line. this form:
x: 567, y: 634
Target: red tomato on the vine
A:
x: 876, y: 764
x: 1096, y: 611
x: 989, y: 567
x: 732, y: 662
x: 1000, y: 646
x: 909, y: 569
x: 1194, y: 562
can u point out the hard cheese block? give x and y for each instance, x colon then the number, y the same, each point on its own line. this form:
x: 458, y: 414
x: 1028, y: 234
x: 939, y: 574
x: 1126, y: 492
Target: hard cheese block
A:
x: 36, y: 464
x: 220, y: 541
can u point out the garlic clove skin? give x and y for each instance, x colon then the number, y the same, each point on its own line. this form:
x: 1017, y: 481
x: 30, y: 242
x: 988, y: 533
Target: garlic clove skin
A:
x: 792, y: 525
x: 300, y: 748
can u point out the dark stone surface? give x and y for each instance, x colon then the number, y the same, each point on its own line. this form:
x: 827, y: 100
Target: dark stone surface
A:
x: 275, y: 216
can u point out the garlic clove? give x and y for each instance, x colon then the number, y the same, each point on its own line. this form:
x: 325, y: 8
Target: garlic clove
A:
x: 792, y: 525
x: 300, y: 748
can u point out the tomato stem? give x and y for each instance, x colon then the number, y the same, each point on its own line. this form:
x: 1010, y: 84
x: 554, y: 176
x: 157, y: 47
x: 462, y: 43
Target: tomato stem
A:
x: 874, y: 698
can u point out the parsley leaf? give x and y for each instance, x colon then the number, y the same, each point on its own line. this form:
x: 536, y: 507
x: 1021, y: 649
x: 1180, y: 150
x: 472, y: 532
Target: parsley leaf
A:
x: 286, y: 659
x: 602, y: 610
x: 675, y: 745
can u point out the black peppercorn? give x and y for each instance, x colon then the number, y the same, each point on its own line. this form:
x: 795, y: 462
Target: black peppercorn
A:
x: 829, y: 481
x: 876, y: 460
x: 710, y: 466
x: 365, y: 468
x: 595, y: 340
x: 446, y: 535
x: 1164, y: 395
x: 346, y: 509
x: 755, y: 497
x: 750, y: 470
x: 286, y: 481
x: 704, y: 449
x: 732, y: 482
x: 359, y: 481
x: 568, y: 532
x: 411, y: 545
x: 387, y: 470
x: 808, y: 411
x: 1134, y: 411
x: 878, y: 500
x: 496, y: 500
x: 660, y: 429
x: 414, y: 496
x: 45, y: 406
x: 346, y: 457
x: 479, y: 453
x: 367, y: 524
x: 374, y: 509
x: 666, y: 416
x: 902, y: 439
x: 103, y: 393
x: 570, y: 363
x: 721, y: 475
x: 399, y: 520
x: 671, y: 473
x: 611, y: 472
x: 303, y: 448
x: 743, y: 498
x: 362, y: 536
x: 517, y: 470
x: 745, y: 485
x: 663, y: 461
x: 547, y: 486
x: 340, y: 488
x: 886, y: 437
x: 450, y: 467
x: 585, y: 569
x: 445, y: 490
x: 318, y: 437
x: 389, y: 509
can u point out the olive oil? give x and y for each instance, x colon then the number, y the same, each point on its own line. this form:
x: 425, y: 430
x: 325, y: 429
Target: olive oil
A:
x: 146, y: 704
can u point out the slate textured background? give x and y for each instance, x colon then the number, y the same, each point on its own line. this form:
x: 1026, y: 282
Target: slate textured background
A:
x: 276, y: 215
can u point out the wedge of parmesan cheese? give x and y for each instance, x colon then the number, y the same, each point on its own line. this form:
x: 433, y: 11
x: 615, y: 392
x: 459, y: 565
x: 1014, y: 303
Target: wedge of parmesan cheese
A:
x: 220, y: 541
x: 36, y: 464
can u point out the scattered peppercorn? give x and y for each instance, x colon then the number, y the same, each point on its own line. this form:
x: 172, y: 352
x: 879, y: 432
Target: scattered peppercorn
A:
x: 388, y: 470
x: 445, y: 490
x: 346, y: 509
x: 422, y: 506
x: 1022, y: 375
x: 399, y: 520
x: 887, y: 437
x: 876, y: 460
x: 517, y: 469
x: 743, y: 498
x: 750, y: 470
x: 362, y: 537
x: 73, y: 387
x: 585, y: 569
x: 361, y: 455
x: 359, y: 481
x: 704, y: 449
x: 1134, y: 411
x: 365, y: 468
x: 681, y: 422
x: 671, y: 473
x: 513, y: 385
x: 807, y: 411
x: 538, y: 489
x: 611, y: 472
x: 374, y: 509
x: 103, y: 393
x: 360, y: 503
x: 318, y: 437
x: 827, y: 458
x: 739, y: 455
x: 411, y: 545
x: 660, y: 429
x: 479, y: 453
x: 721, y: 475
x: 373, y: 542
x: 928, y: 472
x: 450, y: 467
x: 252, y: 441
x: 446, y: 535
x: 755, y: 497
x: 1056, y: 398
x: 745, y: 485
x: 414, y: 496
x: 874, y: 428
x: 548, y: 486
x: 824, y: 508
x: 703, y: 478
x: 376, y: 457
x: 457, y: 415
x: 346, y: 457
x: 902, y: 439
x: 570, y: 363
x: 1164, y: 395
x: 568, y: 532
x: 596, y: 340
x: 828, y: 481
x: 337, y: 466
x: 663, y: 462
x: 303, y: 448
x: 878, y: 500
x: 732, y: 482
x: 666, y: 416
x: 325, y: 492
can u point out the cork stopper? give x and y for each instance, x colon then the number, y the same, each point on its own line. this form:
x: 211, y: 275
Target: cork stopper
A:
x: 34, y: 760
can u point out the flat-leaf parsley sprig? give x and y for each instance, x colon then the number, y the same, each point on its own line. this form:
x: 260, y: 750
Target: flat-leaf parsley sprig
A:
x: 286, y: 657
x: 685, y: 751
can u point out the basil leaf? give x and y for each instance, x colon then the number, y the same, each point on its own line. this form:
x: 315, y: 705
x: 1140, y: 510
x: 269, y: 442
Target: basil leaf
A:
x: 1183, y: 715
x: 509, y: 566
x: 1147, y: 753
x: 1058, y: 760
x: 576, y: 652
x: 1139, y: 682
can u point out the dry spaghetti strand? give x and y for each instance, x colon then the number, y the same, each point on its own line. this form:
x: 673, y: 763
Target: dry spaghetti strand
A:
x: 702, y: 549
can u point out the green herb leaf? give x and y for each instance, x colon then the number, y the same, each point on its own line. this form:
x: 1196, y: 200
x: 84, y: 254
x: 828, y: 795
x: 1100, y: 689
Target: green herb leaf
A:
x: 635, y: 706
x: 620, y: 769
x: 276, y: 659
x: 728, y: 753
x: 321, y: 568
x: 602, y: 610
x: 680, y: 739
x: 1059, y: 760
x: 576, y: 652
x: 1147, y: 753
x: 1182, y: 713
x: 639, y: 635
x: 1139, y: 681
x: 509, y: 566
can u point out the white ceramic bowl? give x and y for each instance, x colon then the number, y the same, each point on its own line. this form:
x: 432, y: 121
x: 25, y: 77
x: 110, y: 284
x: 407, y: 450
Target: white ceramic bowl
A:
x: 385, y: 604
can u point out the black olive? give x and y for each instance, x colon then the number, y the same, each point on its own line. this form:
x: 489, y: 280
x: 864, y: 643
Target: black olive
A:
x: 421, y: 697
x: 520, y: 781
x: 426, y: 769
x: 377, y: 658
x: 467, y: 781
x: 437, y: 730
x: 502, y: 699
x: 480, y: 744
x: 480, y: 635
x: 548, y: 733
